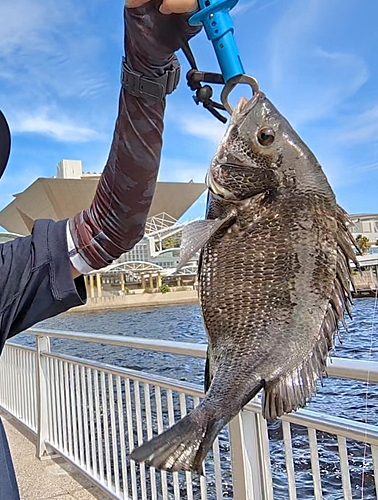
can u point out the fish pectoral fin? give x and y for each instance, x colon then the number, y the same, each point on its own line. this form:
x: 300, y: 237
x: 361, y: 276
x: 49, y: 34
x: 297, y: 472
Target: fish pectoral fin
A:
x: 196, y: 234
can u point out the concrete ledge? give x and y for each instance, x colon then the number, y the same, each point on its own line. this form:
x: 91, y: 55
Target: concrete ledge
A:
x: 47, y: 479
x: 138, y: 300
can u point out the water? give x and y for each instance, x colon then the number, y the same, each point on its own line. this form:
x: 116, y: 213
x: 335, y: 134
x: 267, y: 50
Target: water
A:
x: 347, y: 399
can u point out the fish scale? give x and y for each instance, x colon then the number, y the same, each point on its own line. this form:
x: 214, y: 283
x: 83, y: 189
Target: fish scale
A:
x: 269, y: 285
x: 274, y: 280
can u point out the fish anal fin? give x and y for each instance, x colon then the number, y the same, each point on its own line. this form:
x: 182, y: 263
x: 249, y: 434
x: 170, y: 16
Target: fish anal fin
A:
x: 288, y: 393
x: 196, y: 234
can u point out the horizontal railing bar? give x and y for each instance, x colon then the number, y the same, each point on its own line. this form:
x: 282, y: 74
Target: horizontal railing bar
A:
x: 182, y: 348
x: 148, y: 378
x: 352, y: 429
x: 349, y: 369
x: 21, y: 347
x: 363, y: 371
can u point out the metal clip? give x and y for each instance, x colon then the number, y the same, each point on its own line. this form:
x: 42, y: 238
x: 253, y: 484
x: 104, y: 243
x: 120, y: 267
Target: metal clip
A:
x: 231, y: 84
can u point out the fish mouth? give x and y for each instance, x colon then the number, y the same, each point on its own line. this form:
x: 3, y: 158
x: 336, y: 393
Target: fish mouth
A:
x: 245, y: 105
x: 217, y: 188
x: 242, y: 109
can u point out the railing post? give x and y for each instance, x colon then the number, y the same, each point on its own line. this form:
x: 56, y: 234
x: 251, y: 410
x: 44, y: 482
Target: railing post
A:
x: 250, y: 470
x: 43, y: 345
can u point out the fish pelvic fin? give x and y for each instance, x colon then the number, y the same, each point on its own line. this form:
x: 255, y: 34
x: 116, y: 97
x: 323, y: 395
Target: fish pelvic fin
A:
x: 294, y: 389
x: 184, y: 446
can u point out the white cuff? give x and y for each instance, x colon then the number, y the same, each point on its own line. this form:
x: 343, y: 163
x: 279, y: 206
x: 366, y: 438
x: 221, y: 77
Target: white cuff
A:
x: 76, y: 259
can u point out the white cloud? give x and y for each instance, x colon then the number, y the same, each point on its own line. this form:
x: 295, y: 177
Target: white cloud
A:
x: 288, y: 36
x: 242, y: 7
x: 62, y: 129
x: 362, y: 129
x: 208, y: 129
x: 179, y: 170
x: 49, y: 54
x: 26, y: 22
x: 345, y: 75
x: 320, y: 78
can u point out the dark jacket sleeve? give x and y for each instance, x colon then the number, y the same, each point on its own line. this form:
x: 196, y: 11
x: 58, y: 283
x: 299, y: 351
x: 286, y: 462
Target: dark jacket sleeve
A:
x: 35, y: 277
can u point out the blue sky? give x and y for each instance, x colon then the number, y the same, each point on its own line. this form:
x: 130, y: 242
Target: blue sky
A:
x: 316, y: 60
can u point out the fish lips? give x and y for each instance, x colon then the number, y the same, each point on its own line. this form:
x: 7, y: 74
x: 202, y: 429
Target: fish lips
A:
x: 244, y: 105
x: 227, y: 193
x: 216, y: 188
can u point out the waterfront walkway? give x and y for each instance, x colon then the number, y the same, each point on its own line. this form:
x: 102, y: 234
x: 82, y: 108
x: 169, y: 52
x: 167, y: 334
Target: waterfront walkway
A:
x: 42, y: 480
x: 108, y: 302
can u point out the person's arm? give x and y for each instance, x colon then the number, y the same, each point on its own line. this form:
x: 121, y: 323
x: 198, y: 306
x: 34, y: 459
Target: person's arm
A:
x: 116, y: 219
x: 36, y: 272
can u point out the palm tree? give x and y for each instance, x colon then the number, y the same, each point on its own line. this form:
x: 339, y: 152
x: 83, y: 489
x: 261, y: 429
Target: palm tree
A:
x: 363, y: 243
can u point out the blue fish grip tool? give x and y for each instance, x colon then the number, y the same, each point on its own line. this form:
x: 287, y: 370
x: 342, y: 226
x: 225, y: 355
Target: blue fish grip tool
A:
x: 215, y: 16
x: 216, y: 19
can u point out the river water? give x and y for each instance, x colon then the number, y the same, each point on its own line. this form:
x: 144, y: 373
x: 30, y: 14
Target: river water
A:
x: 183, y: 323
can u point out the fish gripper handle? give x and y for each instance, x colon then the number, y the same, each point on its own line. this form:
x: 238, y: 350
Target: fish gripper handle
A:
x: 216, y: 19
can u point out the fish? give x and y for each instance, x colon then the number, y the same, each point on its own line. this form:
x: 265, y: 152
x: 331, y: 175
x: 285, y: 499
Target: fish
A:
x: 274, y: 277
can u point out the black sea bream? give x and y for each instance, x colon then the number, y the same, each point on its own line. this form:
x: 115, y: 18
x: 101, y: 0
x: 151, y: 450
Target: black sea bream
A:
x: 274, y: 280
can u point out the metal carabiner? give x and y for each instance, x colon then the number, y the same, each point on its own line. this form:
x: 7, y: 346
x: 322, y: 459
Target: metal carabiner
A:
x: 231, y: 84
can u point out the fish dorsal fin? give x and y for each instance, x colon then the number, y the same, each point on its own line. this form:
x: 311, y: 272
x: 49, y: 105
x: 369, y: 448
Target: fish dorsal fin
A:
x: 292, y: 391
x: 196, y: 234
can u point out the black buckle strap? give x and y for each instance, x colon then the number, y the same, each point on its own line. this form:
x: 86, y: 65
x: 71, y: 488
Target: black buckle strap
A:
x: 156, y: 89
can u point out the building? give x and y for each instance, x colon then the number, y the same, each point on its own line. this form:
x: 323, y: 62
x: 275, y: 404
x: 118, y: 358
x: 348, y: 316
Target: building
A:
x: 365, y: 225
x: 70, y: 191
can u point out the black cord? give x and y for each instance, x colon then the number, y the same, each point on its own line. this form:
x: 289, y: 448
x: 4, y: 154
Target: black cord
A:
x: 203, y: 93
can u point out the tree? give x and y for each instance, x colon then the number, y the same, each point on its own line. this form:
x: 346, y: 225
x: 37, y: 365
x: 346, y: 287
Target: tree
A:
x: 171, y: 242
x: 363, y: 243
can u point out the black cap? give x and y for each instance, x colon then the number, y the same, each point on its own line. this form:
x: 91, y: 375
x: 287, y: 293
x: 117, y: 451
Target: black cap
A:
x: 5, y: 143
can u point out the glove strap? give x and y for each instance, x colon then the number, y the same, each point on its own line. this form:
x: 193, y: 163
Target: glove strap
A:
x: 154, y: 89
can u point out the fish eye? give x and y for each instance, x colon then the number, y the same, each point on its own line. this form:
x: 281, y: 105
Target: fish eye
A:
x: 266, y: 136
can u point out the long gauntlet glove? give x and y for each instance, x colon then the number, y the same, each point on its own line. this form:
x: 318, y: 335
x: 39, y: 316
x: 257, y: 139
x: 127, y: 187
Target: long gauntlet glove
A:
x: 115, y: 221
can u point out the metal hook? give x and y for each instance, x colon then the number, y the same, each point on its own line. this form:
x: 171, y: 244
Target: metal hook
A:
x: 231, y: 84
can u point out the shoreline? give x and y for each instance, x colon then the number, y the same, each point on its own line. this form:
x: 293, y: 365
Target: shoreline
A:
x: 114, y: 302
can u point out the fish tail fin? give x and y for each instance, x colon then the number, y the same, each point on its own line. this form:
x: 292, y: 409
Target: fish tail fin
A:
x: 184, y: 446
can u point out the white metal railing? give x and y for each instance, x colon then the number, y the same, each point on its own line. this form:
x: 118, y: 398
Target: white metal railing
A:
x: 93, y: 414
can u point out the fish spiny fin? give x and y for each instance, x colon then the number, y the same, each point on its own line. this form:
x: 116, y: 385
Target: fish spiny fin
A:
x: 345, y: 240
x: 296, y: 388
x: 344, y: 283
x: 196, y: 234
